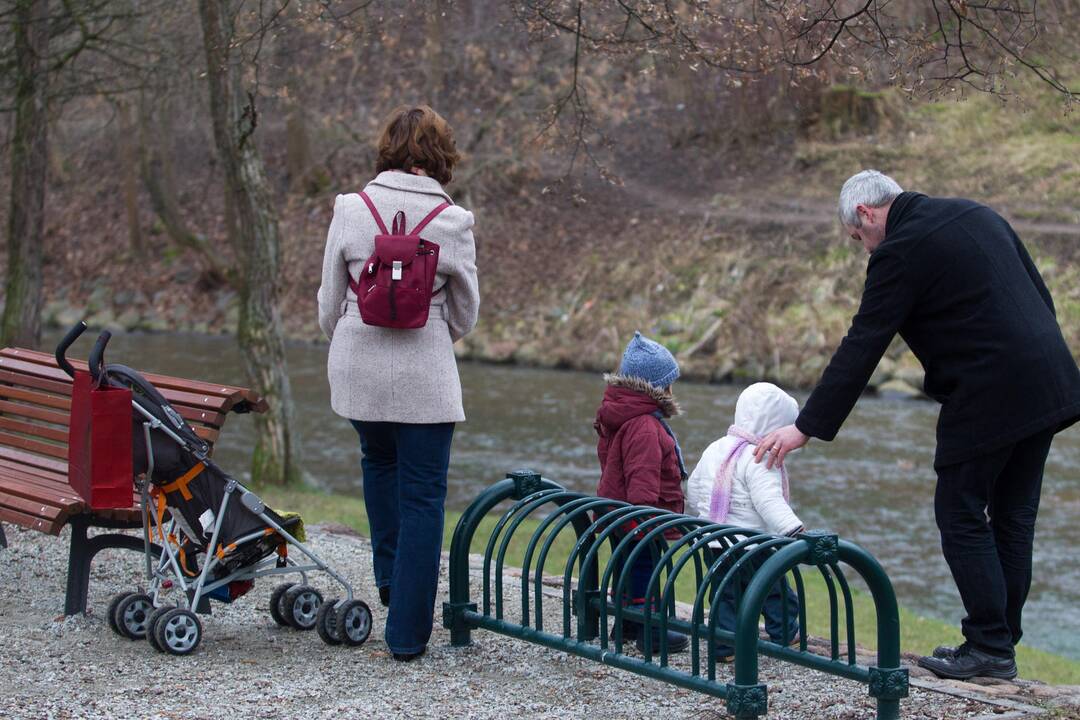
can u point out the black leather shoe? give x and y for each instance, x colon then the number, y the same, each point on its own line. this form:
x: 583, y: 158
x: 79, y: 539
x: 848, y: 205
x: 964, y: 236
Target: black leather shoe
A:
x: 947, y: 651
x: 408, y: 657
x: 384, y: 595
x: 967, y: 663
x: 676, y: 642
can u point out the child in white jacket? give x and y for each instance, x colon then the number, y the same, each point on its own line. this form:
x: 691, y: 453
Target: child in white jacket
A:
x: 728, y: 487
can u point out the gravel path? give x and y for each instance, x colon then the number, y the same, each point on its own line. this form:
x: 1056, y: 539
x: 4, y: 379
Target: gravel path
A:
x: 247, y: 666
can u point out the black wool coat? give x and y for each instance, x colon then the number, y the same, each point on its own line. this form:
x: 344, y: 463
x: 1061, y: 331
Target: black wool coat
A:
x: 955, y: 281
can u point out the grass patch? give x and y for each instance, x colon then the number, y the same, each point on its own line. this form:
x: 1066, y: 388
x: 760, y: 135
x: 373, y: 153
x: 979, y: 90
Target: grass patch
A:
x: 917, y: 634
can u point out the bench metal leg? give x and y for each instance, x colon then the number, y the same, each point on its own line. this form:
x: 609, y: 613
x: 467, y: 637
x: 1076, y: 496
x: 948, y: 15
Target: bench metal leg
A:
x: 3, y: 538
x: 83, y: 550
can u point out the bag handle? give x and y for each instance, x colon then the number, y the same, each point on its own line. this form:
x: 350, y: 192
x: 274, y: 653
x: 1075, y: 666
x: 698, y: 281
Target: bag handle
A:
x: 374, y: 212
x: 398, y: 226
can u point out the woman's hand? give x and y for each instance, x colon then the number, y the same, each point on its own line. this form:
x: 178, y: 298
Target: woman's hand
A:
x: 779, y: 443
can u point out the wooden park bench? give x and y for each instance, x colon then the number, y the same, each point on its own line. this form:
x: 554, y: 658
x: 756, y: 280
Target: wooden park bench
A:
x: 35, y: 404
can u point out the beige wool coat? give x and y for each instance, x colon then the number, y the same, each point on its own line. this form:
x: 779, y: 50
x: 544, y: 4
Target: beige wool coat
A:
x: 382, y: 374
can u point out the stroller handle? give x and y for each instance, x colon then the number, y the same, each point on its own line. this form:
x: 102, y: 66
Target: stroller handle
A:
x: 61, y: 349
x: 97, y: 356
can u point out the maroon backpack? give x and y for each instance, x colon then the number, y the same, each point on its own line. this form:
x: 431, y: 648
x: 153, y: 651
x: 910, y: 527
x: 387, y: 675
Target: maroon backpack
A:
x: 395, y: 287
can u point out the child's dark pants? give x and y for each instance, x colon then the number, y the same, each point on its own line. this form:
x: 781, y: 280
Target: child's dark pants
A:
x: 773, y: 609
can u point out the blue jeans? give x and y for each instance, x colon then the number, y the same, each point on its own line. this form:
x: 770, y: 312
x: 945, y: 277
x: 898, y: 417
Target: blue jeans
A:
x: 773, y: 609
x: 404, y: 491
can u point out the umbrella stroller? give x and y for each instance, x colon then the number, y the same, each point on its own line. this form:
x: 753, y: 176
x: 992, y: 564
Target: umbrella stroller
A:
x: 215, y: 536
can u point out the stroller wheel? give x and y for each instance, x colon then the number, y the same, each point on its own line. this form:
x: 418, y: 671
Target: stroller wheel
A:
x: 178, y: 631
x: 301, y: 606
x: 277, y: 604
x: 151, y: 626
x: 326, y: 622
x: 132, y: 613
x: 110, y: 613
x: 354, y: 622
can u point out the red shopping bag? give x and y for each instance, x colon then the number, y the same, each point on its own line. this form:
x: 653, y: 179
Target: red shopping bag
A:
x: 100, y: 466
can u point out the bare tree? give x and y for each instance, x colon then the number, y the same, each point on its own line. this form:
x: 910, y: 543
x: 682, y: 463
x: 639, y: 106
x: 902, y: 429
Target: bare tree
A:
x: 255, y: 238
x: 50, y: 54
x: 925, y: 46
x: 29, y: 161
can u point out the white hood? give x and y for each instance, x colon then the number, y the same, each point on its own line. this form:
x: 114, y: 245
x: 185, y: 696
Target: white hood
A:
x: 757, y: 500
x: 763, y: 407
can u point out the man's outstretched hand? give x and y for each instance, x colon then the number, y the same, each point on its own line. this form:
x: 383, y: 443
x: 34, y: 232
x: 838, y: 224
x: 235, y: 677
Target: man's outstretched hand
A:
x: 779, y: 443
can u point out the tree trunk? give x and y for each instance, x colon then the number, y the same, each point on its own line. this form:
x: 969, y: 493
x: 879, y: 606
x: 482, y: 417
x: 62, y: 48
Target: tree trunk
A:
x: 297, y: 147
x: 21, y: 324
x: 257, y: 243
x: 298, y: 162
x: 159, y: 179
x: 128, y: 142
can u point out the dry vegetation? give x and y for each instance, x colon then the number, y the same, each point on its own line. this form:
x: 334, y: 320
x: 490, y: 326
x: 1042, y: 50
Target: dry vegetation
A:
x: 621, y: 179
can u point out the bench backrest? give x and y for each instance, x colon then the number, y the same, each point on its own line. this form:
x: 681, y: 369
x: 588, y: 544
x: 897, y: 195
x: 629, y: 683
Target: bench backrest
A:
x: 35, y: 403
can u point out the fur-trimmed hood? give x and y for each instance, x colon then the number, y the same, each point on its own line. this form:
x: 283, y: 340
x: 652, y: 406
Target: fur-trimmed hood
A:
x: 629, y: 397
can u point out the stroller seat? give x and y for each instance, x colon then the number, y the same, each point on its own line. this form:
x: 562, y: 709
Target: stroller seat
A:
x: 235, y: 556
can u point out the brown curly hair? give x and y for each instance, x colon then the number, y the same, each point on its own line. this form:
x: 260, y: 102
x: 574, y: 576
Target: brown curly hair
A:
x: 415, y: 136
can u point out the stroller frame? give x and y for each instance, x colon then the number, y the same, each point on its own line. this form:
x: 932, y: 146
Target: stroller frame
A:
x: 251, y: 502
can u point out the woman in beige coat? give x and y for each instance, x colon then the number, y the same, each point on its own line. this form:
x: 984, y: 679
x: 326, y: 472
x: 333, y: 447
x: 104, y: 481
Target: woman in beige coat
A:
x: 400, y: 388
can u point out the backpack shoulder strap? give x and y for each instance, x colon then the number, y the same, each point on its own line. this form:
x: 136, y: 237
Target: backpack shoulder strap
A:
x: 430, y: 216
x: 374, y: 212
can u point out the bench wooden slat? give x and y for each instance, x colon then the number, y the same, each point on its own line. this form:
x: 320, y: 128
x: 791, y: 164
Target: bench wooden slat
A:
x: 208, y: 433
x: 159, y: 381
x: 30, y: 381
x: 37, y: 413
x: 7, y: 464
x: 61, y: 495
x: 196, y: 413
x: 60, y: 382
x: 193, y: 415
x: 55, y: 493
x: 30, y: 521
x: 31, y: 507
x: 223, y: 397
x: 42, y: 431
x: 35, y: 398
x: 36, y: 446
x: 197, y: 416
x: 36, y: 461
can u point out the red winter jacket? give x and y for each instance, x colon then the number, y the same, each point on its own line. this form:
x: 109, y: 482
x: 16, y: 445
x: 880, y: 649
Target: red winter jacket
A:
x: 638, y: 462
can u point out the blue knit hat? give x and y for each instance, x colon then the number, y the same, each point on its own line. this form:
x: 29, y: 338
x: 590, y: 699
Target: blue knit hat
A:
x: 650, y: 361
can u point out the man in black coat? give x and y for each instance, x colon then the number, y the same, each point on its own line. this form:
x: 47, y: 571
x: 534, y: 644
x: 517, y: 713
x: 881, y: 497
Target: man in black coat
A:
x: 955, y: 281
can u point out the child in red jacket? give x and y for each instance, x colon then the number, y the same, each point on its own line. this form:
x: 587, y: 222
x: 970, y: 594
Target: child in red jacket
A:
x: 640, y: 459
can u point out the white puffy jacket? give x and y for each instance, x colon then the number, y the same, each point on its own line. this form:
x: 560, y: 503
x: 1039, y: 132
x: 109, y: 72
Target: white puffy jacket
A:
x: 757, y: 493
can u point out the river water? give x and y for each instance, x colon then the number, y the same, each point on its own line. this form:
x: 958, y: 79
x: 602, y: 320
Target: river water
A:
x: 873, y: 485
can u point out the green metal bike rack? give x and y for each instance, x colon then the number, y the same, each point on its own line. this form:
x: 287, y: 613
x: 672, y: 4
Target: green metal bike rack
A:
x: 719, y: 554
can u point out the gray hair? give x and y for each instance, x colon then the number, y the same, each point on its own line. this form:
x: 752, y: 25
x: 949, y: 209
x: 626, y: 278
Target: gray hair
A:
x: 870, y: 188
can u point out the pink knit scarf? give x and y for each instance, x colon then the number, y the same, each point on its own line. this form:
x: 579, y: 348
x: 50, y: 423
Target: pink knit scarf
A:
x: 720, y: 505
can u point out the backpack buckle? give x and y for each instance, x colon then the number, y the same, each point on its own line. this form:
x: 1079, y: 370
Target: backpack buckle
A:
x: 395, y: 274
